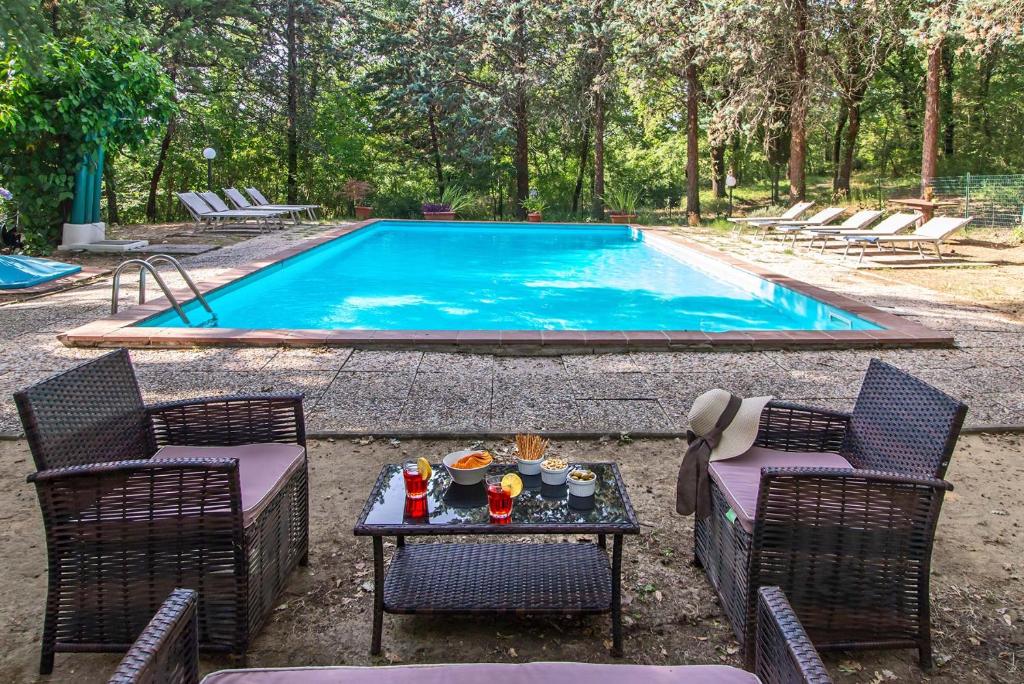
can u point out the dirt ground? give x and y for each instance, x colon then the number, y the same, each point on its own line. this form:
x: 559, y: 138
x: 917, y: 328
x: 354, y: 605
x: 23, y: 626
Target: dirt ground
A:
x: 671, y: 614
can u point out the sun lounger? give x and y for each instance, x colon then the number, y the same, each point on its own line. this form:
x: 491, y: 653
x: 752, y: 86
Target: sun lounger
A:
x: 260, y: 201
x: 859, y: 221
x: 204, y: 213
x: 891, y: 225
x: 214, y: 200
x: 791, y: 214
x: 934, y: 232
x: 820, y: 219
x: 241, y: 202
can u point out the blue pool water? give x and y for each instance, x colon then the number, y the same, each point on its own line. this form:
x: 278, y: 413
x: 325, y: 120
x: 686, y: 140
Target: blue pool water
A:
x: 493, y: 276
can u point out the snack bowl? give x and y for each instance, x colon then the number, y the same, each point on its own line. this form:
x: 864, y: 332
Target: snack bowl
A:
x: 582, y: 487
x: 553, y: 471
x: 465, y: 476
x: 528, y: 467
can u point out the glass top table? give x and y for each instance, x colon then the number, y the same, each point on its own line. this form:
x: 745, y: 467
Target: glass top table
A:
x: 462, y: 509
x: 565, y: 578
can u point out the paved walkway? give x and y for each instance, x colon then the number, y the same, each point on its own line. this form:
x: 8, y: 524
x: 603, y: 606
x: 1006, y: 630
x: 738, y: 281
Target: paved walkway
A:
x: 401, y: 391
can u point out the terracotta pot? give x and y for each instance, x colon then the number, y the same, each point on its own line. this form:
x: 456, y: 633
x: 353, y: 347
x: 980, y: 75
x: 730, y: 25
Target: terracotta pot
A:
x: 439, y: 215
x: 534, y: 217
x: 363, y: 213
x: 623, y: 218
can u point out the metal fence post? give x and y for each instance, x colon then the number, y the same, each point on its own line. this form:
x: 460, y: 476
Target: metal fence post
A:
x: 967, y: 195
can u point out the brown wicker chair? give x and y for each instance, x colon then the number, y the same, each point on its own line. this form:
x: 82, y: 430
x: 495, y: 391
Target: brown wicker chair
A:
x: 165, y: 653
x: 851, y: 548
x: 125, y: 525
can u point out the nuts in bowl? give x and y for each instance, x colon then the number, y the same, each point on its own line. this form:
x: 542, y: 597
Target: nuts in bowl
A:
x: 553, y: 471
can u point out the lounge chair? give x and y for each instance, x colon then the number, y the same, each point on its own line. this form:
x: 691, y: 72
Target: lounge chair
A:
x: 166, y: 653
x: 214, y: 200
x: 261, y: 201
x: 240, y: 202
x: 839, y: 510
x: 934, y: 232
x: 202, y: 212
x: 859, y: 221
x: 891, y: 225
x: 208, y: 494
x: 822, y: 218
x: 790, y: 214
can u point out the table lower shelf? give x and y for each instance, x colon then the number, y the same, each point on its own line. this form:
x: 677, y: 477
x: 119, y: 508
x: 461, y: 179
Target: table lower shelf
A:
x: 438, y: 578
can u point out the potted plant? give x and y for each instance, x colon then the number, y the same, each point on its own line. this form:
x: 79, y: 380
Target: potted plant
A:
x: 622, y: 203
x: 453, y: 200
x: 534, y: 207
x: 357, y: 191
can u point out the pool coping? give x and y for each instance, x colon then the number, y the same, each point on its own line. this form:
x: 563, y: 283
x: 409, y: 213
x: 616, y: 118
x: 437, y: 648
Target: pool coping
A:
x: 118, y: 329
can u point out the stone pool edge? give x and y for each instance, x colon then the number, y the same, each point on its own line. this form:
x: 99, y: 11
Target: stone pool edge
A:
x: 118, y: 330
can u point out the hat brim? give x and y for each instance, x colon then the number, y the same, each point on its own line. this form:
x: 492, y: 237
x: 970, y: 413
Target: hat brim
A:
x: 742, y: 431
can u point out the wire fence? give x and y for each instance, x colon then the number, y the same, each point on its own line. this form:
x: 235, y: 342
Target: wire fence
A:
x: 993, y: 201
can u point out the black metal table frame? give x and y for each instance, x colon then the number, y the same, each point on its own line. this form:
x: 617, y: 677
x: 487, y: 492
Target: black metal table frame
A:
x: 401, y: 531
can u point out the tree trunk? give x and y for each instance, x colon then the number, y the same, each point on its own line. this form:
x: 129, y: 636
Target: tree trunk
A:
x: 521, y: 158
x: 775, y: 184
x: 292, y: 133
x: 110, y: 183
x: 435, y: 149
x: 718, y: 170
x: 581, y: 171
x: 949, y: 128
x: 837, y: 144
x: 158, y: 170
x: 932, y: 93
x: 798, y: 107
x: 842, y: 184
x: 597, y: 204
x: 692, y: 151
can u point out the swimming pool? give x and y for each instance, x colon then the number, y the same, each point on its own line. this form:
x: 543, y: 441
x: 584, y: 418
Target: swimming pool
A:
x: 420, y: 276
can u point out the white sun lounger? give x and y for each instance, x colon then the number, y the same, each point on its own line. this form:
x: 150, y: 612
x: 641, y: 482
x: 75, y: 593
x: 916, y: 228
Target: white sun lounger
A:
x: 790, y: 214
x: 816, y: 221
x: 933, y: 232
x: 202, y: 212
x: 891, y: 225
x: 261, y: 201
x: 859, y: 221
x: 240, y: 202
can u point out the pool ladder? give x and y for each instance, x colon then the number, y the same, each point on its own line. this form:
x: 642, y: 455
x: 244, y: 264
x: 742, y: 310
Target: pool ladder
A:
x: 149, y: 265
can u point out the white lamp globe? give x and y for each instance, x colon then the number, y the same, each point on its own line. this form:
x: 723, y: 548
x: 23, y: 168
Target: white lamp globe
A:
x: 730, y: 181
x: 209, y: 153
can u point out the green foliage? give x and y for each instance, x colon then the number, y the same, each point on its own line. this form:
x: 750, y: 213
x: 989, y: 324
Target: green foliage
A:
x: 77, y: 98
x: 457, y: 198
x: 535, y: 204
x: 622, y: 199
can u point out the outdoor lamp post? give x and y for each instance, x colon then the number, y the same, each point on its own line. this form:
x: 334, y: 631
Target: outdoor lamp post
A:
x: 730, y: 182
x: 209, y: 154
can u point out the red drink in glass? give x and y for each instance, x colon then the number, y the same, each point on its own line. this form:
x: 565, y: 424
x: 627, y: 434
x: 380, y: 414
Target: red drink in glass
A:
x: 499, y: 500
x: 415, y: 485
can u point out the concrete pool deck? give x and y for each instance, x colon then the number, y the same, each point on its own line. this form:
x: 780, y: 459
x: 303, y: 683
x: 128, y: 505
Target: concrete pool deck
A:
x: 412, y: 392
x: 124, y: 330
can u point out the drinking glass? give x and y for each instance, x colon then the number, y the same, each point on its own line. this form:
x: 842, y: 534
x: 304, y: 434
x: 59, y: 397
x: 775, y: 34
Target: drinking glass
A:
x: 499, y: 500
x: 415, y: 485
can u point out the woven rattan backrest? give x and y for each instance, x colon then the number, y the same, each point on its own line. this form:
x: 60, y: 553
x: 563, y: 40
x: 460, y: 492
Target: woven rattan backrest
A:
x: 92, y: 413
x: 902, y: 425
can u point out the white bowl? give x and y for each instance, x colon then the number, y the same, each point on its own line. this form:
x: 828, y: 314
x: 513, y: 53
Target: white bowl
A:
x: 528, y: 467
x: 464, y: 476
x: 581, y: 488
x: 553, y: 477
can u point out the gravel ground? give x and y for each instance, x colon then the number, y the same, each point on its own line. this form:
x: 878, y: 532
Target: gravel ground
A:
x: 671, y: 614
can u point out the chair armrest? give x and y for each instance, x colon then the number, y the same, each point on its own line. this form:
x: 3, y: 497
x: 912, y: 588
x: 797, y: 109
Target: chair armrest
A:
x: 792, y: 427
x: 783, y: 652
x: 227, y: 421
x: 167, y: 651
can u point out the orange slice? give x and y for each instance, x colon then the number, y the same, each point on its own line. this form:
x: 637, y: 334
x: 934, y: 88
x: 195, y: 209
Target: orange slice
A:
x: 512, y: 484
x: 424, y: 467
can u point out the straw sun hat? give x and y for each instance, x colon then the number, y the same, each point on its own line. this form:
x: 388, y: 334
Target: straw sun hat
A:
x: 740, y: 434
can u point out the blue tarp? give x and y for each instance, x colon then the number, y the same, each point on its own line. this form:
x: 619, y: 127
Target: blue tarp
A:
x: 24, y: 271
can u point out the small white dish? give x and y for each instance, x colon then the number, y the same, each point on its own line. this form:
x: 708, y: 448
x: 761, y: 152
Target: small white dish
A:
x: 528, y: 467
x: 582, y: 488
x: 551, y: 476
x: 464, y: 476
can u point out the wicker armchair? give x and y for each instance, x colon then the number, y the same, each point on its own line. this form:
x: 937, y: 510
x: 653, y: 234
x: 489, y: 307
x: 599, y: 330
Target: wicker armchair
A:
x: 126, y: 525
x: 165, y: 653
x: 850, y: 547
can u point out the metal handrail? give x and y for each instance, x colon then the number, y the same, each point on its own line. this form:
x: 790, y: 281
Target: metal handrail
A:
x: 181, y: 271
x: 144, y: 266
